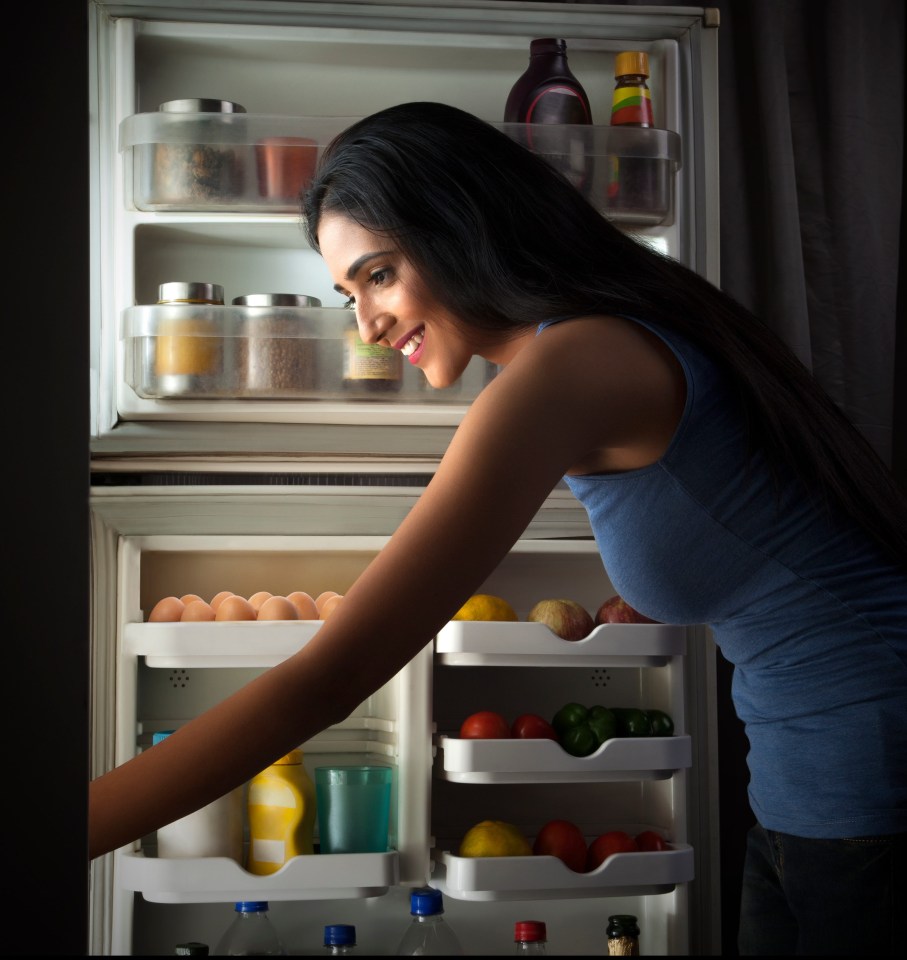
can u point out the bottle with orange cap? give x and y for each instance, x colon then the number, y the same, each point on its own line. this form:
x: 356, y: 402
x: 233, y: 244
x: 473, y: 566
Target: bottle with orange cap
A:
x: 632, y: 179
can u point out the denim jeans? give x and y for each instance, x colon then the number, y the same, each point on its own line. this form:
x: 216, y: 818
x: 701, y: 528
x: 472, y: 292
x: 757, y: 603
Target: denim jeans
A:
x: 823, y: 897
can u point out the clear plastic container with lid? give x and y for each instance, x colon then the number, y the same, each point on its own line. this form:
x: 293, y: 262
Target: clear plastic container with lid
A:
x: 204, y: 162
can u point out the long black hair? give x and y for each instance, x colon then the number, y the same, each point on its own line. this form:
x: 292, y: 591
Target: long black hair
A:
x: 505, y: 242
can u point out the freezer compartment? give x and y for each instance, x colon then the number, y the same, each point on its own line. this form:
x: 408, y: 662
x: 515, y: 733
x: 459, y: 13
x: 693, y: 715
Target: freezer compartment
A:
x: 196, y: 352
x: 335, y: 876
x: 243, y: 163
x: 524, y: 878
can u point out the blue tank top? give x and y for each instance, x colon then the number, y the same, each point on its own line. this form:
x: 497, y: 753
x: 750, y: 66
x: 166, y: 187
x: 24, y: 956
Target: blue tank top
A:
x: 810, y: 614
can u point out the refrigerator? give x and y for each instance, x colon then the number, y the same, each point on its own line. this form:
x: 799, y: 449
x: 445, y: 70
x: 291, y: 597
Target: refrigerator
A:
x: 211, y: 479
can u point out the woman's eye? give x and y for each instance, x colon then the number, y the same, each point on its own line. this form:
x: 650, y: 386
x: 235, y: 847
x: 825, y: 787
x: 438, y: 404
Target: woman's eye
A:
x: 379, y: 276
x: 350, y: 304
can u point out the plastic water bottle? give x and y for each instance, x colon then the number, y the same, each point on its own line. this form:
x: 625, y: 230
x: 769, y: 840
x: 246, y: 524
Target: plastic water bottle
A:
x: 428, y: 933
x: 251, y: 934
x: 339, y: 939
x: 531, y: 938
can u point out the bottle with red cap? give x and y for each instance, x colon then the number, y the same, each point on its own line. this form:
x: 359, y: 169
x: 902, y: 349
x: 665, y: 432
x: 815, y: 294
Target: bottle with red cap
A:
x: 531, y: 938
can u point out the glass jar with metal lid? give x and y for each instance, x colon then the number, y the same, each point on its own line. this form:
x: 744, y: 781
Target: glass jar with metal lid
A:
x: 205, y: 160
x: 189, y: 347
x: 278, y: 358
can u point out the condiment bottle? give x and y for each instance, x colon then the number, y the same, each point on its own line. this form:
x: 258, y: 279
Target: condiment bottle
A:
x: 216, y: 830
x: 623, y: 935
x: 188, y: 351
x: 281, y: 810
x: 531, y: 938
x: 547, y: 92
x: 631, y: 103
x: 633, y: 181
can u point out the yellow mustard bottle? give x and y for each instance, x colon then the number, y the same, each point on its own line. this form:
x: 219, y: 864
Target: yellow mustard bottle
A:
x: 281, y: 811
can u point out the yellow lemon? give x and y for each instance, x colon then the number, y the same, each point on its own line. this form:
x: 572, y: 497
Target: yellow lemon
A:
x: 485, y: 606
x: 494, y: 838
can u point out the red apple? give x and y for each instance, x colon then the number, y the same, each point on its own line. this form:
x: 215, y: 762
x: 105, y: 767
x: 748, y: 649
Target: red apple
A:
x: 614, y: 841
x: 616, y: 610
x: 567, y: 618
x: 564, y: 840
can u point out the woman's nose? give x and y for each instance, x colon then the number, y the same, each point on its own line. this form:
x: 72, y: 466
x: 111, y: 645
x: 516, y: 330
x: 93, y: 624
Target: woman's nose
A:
x: 370, y: 327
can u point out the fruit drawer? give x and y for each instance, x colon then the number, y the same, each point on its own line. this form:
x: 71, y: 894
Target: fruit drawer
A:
x: 509, y: 644
x: 546, y: 877
x: 545, y: 761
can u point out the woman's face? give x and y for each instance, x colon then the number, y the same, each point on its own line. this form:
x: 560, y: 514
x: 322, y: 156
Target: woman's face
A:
x: 393, y: 306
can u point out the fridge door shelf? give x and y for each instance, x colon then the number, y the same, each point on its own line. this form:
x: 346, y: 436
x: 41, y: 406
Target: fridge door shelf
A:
x: 334, y: 876
x: 259, y: 163
x: 545, y: 877
x: 545, y: 761
x: 248, y: 643
x: 495, y: 643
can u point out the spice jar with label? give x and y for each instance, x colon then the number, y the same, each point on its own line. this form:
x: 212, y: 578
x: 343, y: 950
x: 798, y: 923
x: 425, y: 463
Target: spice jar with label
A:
x: 623, y: 935
x: 279, y: 356
x: 204, y: 161
x: 189, y: 348
x: 368, y: 368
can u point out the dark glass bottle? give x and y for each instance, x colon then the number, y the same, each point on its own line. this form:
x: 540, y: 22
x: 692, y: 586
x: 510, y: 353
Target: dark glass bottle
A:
x: 633, y: 183
x: 623, y: 935
x: 549, y: 93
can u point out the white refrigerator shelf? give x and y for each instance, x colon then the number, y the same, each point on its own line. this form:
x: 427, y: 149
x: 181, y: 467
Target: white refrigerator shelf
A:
x: 332, y: 876
x: 515, y: 644
x: 545, y: 761
x: 545, y: 877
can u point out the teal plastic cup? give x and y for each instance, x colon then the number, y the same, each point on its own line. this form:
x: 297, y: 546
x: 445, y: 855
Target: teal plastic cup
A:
x: 353, y: 804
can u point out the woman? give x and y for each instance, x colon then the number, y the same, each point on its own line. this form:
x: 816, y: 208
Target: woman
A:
x: 680, y: 422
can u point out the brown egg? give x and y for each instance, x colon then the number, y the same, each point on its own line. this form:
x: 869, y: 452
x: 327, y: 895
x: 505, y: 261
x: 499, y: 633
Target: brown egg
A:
x: 168, y: 610
x: 257, y: 599
x: 322, y: 598
x: 198, y: 610
x: 330, y: 605
x: 278, y: 608
x: 235, y: 608
x: 187, y: 598
x: 305, y: 605
x: 218, y: 598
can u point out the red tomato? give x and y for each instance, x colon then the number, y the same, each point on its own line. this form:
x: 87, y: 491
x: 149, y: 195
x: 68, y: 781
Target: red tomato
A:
x: 485, y: 725
x: 650, y: 840
x: 530, y: 726
x: 564, y: 840
x: 615, y: 841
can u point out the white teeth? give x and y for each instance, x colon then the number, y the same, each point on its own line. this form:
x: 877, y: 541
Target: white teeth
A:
x: 410, y: 346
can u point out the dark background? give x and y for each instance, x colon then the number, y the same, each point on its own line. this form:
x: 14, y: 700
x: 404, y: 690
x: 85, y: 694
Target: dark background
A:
x: 812, y: 119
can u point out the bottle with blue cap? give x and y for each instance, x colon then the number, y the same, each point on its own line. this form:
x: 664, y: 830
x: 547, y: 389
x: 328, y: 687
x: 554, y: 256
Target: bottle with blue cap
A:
x: 251, y: 934
x: 339, y: 939
x: 428, y: 933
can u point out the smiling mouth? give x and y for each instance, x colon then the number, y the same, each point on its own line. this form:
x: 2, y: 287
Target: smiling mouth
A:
x: 413, y: 343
